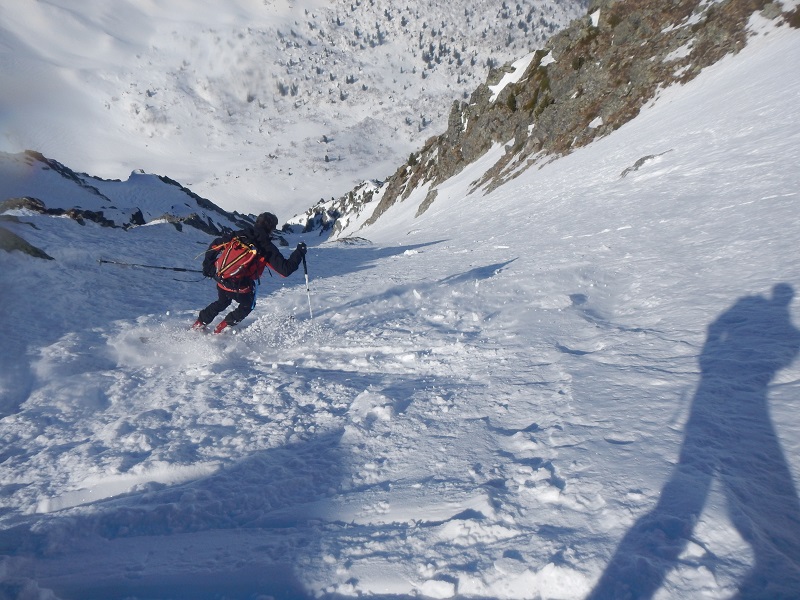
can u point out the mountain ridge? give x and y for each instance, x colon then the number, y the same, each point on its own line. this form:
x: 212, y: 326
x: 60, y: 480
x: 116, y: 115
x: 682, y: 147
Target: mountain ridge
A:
x: 29, y: 178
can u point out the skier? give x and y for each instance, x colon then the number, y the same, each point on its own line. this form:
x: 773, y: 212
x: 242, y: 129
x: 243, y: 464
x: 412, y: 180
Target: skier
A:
x: 242, y: 287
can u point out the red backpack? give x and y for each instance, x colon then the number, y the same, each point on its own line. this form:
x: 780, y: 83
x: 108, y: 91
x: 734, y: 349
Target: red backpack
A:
x: 235, y: 261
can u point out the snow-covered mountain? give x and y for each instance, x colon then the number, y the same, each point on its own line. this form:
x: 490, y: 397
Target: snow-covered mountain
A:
x: 252, y: 104
x: 33, y: 182
x: 582, y: 384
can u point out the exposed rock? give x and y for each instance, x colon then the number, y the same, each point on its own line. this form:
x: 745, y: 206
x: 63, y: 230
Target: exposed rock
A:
x: 640, y: 163
x: 238, y: 219
x: 137, y: 218
x: 208, y: 226
x: 76, y: 214
x: 353, y: 241
x: 330, y: 216
x: 81, y: 216
x: 24, y: 203
x: 793, y: 18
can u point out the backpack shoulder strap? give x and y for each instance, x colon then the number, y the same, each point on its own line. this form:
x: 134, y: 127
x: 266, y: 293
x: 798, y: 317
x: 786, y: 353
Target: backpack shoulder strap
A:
x: 233, y: 256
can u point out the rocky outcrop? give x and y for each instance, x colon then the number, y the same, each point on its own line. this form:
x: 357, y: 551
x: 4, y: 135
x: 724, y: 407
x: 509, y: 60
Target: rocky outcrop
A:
x: 37, y: 206
x: 586, y: 82
x: 331, y: 216
x: 207, y: 225
x: 24, y: 203
x: 80, y: 216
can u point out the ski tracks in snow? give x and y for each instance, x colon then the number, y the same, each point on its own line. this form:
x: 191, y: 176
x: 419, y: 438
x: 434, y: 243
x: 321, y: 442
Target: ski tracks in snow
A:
x: 407, y: 441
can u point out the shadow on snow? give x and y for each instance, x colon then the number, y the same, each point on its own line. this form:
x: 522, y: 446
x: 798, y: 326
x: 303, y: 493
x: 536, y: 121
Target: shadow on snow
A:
x: 264, y: 494
x: 729, y: 437
x: 472, y: 275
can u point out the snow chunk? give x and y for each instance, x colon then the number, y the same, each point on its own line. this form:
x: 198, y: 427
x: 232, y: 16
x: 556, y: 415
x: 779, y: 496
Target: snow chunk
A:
x: 435, y: 588
x: 679, y: 53
x: 101, y: 487
x: 517, y: 71
x: 470, y: 532
x: 370, y: 406
x: 551, y: 581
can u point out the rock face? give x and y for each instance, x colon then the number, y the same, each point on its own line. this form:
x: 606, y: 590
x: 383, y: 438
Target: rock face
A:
x: 587, y: 81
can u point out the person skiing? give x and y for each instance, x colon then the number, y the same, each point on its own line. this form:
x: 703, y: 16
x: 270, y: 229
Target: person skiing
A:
x: 256, y: 253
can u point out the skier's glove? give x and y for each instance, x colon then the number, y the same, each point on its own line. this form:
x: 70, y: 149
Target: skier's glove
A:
x: 208, y: 270
x: 302, y: 248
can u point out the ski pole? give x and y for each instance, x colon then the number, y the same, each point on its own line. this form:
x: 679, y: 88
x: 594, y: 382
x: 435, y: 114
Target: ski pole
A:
x: 114, y: 262
x: 308, y: 290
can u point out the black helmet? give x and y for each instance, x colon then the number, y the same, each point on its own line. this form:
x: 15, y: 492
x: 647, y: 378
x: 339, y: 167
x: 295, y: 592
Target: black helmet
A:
x: 267, y: 221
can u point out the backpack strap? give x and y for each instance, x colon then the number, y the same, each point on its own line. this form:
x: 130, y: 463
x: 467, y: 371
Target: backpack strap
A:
x: 235, y: 254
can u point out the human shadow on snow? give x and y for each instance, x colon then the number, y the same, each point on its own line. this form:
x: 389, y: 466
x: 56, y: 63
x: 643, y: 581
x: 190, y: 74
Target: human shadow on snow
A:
x: 729, y: 437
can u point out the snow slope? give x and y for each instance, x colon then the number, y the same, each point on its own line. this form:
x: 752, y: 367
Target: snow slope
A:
x: 588, y: 390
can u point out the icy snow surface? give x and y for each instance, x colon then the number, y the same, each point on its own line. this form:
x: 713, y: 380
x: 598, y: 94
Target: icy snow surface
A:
x: 581, y: 385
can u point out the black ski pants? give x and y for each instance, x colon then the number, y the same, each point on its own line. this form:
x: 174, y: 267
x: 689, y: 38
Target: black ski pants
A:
x: 246, y: 302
